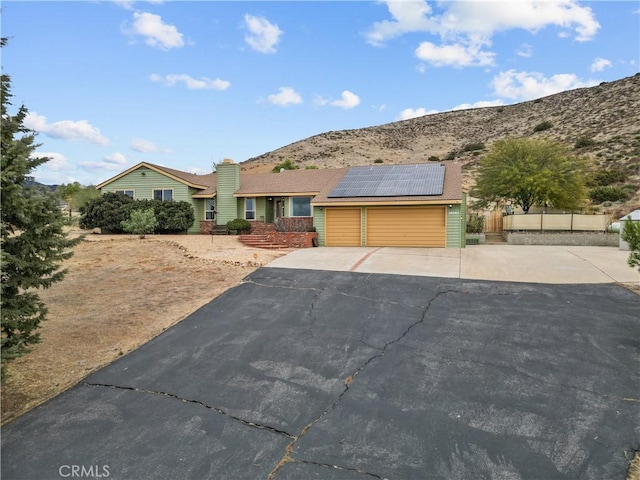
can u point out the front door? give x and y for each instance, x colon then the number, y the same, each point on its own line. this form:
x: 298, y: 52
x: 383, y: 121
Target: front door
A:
x: 279, y: 208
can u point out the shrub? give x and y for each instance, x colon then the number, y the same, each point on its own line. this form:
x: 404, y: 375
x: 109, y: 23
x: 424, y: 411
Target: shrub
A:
x: 475, y: 224
x: 546, y: 125
x: 106, y: 212
x: 378, y: 160
x: 602, y: 178
x: 310, y: 167
x: 607, y: 194
x: 433, y: 158
x: 631, y: 235
x: 140, y: 222
x: 471, y: 147
x: 286, y: 165
x: 584, y: 142
x: 451, y: 156
x: 173, y: 216
x: 239, y: 224
x: 111, y: 209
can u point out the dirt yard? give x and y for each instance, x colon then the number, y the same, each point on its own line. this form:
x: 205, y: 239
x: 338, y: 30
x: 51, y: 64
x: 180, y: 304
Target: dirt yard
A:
x: 119, y: 293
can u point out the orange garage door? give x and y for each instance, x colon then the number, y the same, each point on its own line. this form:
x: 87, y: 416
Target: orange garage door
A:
x: 406, y: 227
x: 342, y: 227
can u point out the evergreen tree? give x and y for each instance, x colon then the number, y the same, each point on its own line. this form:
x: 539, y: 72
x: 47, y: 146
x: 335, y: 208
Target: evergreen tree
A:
x: 33, y: 240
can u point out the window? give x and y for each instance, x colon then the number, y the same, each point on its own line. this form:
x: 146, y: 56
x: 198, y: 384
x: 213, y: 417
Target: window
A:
x: 210, y: 209
x: 300, y: 206
x: 128, y: 193
x: 250, y: 208
x: 164, y: 195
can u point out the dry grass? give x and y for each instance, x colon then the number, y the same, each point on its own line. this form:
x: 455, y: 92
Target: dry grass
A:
x: 119, y: 293
x: 634, y: 467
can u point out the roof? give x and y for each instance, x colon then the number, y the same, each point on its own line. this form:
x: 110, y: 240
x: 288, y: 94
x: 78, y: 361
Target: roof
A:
x: 322, y: 183
x: 451, y: 191
x: 391, y: 181
x: 202, y: 182
x: 287, y: 182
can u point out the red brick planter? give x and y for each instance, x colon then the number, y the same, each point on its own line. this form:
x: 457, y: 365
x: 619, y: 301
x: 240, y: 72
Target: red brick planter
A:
x: 293, y: 239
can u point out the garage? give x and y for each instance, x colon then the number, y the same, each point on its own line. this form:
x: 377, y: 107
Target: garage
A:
x: 343, y: 227
x: 406, y: 227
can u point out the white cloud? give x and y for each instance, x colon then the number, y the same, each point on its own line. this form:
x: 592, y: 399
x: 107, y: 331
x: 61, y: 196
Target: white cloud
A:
x: 287, y: 96
x: 348, y: 100
x: 116, y: 161
x: 65, y: 129
x: 523, y: 86
x: 57, y: 161
x: 408, y: 113
x: 457, y: 55
x: 483, y: 19
x: 263, y: 36
x: 202, y: 83
x: 55, y: 171
x: 466, y: 28
x: 143, y: 146
x: 599, y: 64
x: 156, y: 33
x: 320, y: 101
x: 128, y: 4
x: 525, y: 50
x: 479, y: 104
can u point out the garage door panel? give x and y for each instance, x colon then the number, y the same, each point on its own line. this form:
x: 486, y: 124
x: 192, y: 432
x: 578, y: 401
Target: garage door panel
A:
x: 343, y: 227
x: 406, y: 227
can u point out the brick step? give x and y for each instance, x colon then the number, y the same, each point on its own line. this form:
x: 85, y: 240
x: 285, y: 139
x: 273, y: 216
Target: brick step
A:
x: 259, y: 241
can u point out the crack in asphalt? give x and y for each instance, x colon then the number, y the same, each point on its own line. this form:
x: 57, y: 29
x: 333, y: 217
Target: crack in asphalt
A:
x: 287, y: 457
x: 196, y: 402
x: 339, y: 467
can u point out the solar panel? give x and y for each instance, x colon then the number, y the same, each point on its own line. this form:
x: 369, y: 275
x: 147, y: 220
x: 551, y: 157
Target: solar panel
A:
x: 391, y: 181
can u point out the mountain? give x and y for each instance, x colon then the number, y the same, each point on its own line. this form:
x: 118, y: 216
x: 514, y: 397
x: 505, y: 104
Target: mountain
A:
x: 601, y: 123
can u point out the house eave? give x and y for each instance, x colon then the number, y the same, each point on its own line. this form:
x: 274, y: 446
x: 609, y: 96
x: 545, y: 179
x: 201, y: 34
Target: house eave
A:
x: 387, y: 202
x: 275, y: 194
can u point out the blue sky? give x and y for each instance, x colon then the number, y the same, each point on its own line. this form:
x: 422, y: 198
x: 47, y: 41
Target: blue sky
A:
x: 186, y: 84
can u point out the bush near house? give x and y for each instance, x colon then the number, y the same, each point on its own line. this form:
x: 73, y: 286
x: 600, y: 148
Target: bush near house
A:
x: 475, y: 224
x: 111, y: 209
x: 140, y: 222
x: 106, y: 212
x: 240, y: 225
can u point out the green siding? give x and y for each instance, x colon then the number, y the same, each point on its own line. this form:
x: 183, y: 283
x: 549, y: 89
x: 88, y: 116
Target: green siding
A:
x: 261, y: 209
x: 228, y: 181
x: 463, y: 221
x: 144, y: 181
x: 454, y: 232
x: 318, y: 222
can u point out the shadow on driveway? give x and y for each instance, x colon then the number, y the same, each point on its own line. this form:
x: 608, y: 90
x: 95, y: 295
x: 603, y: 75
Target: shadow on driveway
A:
x: 337, y: 375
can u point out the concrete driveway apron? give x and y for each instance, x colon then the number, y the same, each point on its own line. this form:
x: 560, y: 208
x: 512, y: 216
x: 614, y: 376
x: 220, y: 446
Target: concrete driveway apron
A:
x: 515, y: 263
x: 345, y: 375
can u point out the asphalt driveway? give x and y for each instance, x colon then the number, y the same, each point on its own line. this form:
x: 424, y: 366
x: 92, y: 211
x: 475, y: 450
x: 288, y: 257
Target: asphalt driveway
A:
x: 299, y: 374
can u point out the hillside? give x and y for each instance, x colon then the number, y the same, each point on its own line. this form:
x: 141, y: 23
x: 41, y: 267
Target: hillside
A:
x: 601, y: 122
